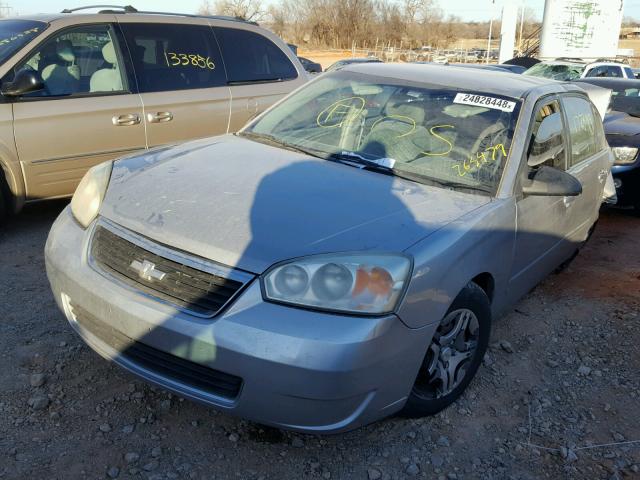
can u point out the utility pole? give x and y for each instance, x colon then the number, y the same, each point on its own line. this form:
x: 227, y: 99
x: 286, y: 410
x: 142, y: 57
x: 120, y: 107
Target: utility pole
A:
x: 486, y: 58
x: 5, y: 10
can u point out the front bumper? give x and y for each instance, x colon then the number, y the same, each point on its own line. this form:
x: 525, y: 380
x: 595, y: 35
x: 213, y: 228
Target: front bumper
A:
x: 300, y: 370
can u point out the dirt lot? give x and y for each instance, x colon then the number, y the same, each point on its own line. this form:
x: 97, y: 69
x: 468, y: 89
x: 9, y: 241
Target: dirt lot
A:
x: 558, y: 395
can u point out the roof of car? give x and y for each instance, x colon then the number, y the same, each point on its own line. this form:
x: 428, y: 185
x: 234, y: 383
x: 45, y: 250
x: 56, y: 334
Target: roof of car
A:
x: 52, y: 17
x: 484, y: 80
x: 611, y: 82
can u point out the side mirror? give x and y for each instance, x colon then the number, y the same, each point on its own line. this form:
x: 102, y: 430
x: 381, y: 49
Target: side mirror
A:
x: 25, y: 81
x: 551, y: 182
x: 547, y: 143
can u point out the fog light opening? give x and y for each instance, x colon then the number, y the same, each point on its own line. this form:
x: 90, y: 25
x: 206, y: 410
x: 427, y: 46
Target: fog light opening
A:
x: 68, y: 309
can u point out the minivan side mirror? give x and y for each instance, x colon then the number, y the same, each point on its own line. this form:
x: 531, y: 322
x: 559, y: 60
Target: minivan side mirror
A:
x: 547, y: 143
x: 551, y: 182
x: 25, y: 81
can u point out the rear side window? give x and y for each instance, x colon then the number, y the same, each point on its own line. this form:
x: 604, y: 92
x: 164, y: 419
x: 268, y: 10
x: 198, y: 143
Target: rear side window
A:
x: 251, y: 57
x: 629, y: 72
x: 582, y: 129
x: 174, y: 57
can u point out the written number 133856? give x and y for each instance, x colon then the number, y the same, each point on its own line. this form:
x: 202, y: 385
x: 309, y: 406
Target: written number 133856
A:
x: 184, y: 59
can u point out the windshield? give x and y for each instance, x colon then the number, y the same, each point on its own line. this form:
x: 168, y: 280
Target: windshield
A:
x: 561, y: 72
x: 15, y: 34
x: 626, y: 100
x: 430, y: 134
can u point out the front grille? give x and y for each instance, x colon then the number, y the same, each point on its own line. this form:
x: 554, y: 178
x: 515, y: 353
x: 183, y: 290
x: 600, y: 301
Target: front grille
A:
x: 181, y: 285
x: 158, y: 362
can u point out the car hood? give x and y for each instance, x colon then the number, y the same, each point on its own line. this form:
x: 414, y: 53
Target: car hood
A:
x: 250, y: 205
x: 618, y: 124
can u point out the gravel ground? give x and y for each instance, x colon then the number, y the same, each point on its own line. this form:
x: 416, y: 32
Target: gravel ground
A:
x: 558, y: 395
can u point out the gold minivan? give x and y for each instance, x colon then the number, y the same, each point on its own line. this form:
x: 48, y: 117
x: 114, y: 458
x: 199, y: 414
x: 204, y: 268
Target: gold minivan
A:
x: 79, y: 89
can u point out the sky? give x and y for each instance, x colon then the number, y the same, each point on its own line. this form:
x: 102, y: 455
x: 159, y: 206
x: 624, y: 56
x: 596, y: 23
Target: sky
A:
x: 467, y: 9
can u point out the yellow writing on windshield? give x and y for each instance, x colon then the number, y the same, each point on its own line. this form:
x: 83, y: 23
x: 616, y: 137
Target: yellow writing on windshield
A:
x: 12, y: 38
x: 475, y: 163
x: 188, y: 59
x: 449, y: 146
x: 335, y: 115
x: 408, y: 121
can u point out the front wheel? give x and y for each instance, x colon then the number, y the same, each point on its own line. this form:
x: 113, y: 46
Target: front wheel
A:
x: 454, y: 355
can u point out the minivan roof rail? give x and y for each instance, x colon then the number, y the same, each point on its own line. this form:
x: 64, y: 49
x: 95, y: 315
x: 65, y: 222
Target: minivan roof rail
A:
x: 125, y: 8
x: 130, y: 9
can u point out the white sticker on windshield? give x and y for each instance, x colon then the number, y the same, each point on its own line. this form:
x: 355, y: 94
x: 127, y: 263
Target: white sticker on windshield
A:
x: 482, y: 101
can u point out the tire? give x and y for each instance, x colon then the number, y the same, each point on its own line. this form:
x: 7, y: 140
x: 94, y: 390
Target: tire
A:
x: 3, y: 206
x: 430, y: 395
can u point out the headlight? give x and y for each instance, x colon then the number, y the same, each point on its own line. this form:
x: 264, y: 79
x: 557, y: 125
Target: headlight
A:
x: 358, y: 283
x: 86, y: 202
x: 624, y: 155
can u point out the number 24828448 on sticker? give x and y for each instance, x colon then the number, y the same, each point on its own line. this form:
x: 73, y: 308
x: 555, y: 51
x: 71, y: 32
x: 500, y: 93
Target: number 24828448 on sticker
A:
x: 485, y: 101
x: 188, y: 59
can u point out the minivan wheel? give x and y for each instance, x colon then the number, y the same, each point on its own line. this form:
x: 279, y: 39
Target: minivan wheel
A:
x: 3, y: 206
x: 454, y: 355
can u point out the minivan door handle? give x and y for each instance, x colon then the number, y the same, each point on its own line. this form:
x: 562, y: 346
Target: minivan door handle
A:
x: 126, y: 120
x: 159, y: 117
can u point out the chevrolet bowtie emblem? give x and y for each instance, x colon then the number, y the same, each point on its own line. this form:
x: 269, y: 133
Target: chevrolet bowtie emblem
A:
x: 147, y: 270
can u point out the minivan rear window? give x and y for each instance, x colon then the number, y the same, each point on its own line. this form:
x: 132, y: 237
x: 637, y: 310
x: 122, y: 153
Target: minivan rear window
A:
x: 170, y: 57
x: 250, y: 57
x: 15, y: 34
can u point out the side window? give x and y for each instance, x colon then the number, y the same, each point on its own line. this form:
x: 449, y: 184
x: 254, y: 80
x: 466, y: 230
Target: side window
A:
x: 78, y: 61
x: 251, y: 57
x: 597, y: 72
x: 547, y: 137
x: 600, y: 138
x: 629, y: 72
x: 614, y: 72
x: 174, y: 57
x: 582, y: 129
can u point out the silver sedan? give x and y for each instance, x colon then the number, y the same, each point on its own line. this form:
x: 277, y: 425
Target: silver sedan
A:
x: 343, y: 256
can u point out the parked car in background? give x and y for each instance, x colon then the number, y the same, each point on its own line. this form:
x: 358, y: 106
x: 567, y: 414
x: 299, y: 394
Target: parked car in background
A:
x: 73, y: 97
x: 511, y: 68
x: 349, y: 61
x: 309, y: 66
x: 343, y: 256
x: 622, y: 129
x: 571, y: 69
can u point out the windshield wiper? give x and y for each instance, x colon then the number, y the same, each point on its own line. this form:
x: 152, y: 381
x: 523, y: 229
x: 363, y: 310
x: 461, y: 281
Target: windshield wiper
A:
x: 386, y: 165
x: 382, y: 163
x: 276, y: 142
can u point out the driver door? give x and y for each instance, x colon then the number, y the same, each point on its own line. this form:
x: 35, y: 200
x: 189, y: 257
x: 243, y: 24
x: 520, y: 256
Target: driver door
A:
x: 86, y: 113
x: 542, y: 225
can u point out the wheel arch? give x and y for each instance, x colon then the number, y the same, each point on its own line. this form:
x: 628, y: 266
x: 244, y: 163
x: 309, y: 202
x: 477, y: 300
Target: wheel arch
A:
x: 12, y: 183
x: 487, y: 283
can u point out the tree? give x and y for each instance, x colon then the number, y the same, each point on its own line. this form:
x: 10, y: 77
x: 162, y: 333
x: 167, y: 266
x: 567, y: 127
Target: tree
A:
x: 250, y: 10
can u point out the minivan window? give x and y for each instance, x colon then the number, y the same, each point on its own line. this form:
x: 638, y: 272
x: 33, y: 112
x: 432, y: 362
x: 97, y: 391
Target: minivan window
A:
x: 81, y: 60
x: 251, y: 57
x: 15, y: 34
x: 582, y: 129
x: 170, y: 57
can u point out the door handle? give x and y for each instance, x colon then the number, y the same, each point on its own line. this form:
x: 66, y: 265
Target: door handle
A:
x: 252, y: 105
x: 159, y: 117
x: 602, y: 176
x: 126, y: 120
x: 568, y: 201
